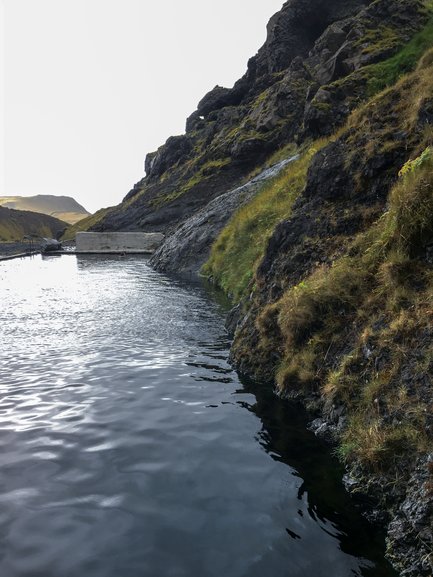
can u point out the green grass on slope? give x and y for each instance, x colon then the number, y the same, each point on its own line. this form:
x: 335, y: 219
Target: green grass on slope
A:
x: 241, y: 244
x: 238, y: 249
x: 386, y: 73
x: 360, y: 329
x: 14, y: 232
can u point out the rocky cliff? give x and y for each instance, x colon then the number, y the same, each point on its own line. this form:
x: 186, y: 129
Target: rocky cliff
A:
x: 306, y: 193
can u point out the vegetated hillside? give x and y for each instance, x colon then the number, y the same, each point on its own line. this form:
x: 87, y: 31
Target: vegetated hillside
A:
x: 15, y: 224
x: 64, y: 208
x: 329, y: 259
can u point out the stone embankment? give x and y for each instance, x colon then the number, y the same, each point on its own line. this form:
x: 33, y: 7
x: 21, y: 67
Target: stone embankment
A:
x: 117, y: 242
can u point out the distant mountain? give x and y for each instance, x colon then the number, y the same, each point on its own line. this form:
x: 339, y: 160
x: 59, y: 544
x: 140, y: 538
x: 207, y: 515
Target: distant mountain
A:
x: 64, y: 208
x: 15, y: 224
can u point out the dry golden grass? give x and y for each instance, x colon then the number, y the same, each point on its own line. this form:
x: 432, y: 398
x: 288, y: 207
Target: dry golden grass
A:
x: 371, y: 309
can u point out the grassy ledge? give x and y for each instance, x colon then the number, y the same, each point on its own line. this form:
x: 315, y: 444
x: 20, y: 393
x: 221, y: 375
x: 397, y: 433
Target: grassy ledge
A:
x: 361, y: 329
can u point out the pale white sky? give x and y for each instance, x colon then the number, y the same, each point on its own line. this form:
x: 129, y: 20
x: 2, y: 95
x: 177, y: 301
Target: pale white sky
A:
x: 88, y: 87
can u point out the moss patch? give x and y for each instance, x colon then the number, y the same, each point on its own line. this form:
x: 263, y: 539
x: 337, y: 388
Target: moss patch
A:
x: 202, y: 173
x: 386, y: 73
x: 237, y: 251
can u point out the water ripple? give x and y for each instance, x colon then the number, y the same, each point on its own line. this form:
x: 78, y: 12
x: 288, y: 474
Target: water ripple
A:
x: 129, y: 446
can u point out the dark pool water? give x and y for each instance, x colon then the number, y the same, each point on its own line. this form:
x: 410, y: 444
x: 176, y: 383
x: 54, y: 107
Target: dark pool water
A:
x: 130, y: 448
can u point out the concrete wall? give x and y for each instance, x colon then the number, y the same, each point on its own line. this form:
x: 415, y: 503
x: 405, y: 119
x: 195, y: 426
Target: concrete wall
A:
x: 118, y: 242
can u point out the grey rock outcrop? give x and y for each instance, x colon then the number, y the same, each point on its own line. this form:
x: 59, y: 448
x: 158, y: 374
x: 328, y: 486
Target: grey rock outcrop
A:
x: 175, y: 149
x: 187, y: 249
x: 214, y: 100
x: 304, y: 82
x: 409, y: 533
x: 50, y: 245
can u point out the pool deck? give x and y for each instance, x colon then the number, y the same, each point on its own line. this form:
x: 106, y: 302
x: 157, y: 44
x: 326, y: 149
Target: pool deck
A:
x: 90, y: 243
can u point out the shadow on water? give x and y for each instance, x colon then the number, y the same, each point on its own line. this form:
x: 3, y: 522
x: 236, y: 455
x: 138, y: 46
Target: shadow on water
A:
x: 286, y: 438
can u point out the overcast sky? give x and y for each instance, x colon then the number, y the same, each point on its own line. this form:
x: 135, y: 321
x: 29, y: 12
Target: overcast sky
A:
x: 88, y: 87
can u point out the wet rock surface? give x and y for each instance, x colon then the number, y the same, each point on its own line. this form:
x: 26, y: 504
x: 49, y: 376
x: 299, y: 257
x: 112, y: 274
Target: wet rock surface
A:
x: 405, y: 507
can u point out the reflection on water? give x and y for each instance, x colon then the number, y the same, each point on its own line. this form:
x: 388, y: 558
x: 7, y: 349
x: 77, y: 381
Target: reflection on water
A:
x: 129, y: 447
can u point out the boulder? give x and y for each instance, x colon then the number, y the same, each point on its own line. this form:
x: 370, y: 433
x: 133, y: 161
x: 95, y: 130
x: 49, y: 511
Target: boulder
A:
x: 50, y: 245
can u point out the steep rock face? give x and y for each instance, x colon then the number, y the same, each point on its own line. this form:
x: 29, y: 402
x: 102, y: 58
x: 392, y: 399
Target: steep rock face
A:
x: 292, y: 89
x: 345, y: 76
x: 346, y: 190
x: 292, y: 32
x: 410, y: 531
